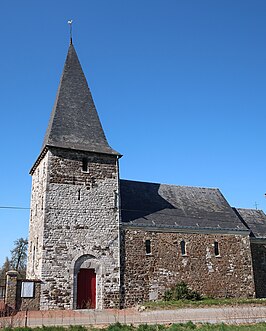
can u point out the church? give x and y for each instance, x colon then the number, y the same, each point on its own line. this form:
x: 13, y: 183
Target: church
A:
x: 97, y: 241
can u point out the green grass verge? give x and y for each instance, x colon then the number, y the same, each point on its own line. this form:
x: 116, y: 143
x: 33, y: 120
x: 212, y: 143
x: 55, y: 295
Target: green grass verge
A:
x: 144, y: 327
x: 205, y: 302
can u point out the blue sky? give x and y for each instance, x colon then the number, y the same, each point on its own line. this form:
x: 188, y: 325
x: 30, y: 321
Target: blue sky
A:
x: 179, y: 87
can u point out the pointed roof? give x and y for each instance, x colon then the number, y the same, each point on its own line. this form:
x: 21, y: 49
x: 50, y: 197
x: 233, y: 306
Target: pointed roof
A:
x: 74, y: 122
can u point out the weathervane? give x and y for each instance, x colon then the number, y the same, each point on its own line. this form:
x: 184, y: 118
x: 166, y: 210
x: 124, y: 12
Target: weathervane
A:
x: 70, y: 29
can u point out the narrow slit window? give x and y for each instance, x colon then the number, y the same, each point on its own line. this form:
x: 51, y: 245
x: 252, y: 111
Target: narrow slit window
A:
x: 183, y: 247
x: 148, y: 246
x: 85, y: 164
x: 79, y: 194
x: 115, y: 200
x: 33, y: 258
x: 216, y: 249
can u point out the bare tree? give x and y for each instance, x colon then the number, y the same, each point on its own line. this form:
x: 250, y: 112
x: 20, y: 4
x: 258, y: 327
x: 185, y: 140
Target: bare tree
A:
x: 3, y: 270
x: 19, y: 255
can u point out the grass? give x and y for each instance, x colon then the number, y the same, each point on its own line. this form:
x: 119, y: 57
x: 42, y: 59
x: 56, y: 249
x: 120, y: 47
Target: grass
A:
x: 205, y: 302
x: 144, y: 327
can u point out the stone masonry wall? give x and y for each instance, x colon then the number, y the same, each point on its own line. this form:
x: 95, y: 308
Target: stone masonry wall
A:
x: 32, y: 303
x: 147, y: 276
x: 259, y: 266
x: 81, y: 228
x: 38, y: 196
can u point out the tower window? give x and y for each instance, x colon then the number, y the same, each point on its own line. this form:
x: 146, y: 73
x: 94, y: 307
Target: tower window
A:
x: 116, y: 200
x: 216, y: 249
x: 85, y: 164
x: 148, y: 246
x: 79, y: 194
x: 183, y: 247
x: 33, y: 258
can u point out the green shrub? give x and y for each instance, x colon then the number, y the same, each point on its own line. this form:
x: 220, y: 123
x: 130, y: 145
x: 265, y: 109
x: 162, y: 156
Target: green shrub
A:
x: 182, y: 326
x: 181, y: 292
x: 118, y: 327
x: 151, y: 327
x: 77, y: 328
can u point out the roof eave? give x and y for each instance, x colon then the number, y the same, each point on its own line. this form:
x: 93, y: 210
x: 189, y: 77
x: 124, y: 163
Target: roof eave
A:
x: 37, y: 162
x: 47, y: 147
x: 185, y: 229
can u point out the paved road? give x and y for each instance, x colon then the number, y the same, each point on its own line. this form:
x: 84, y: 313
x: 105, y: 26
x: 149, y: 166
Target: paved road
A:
x: 238, y: 315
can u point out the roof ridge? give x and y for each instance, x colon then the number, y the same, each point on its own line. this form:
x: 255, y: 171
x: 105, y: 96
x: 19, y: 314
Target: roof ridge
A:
x: 253, y: 209
x: 174, y: 185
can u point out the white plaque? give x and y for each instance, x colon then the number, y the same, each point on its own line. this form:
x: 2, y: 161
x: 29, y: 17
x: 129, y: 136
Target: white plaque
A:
x: 27, y: 289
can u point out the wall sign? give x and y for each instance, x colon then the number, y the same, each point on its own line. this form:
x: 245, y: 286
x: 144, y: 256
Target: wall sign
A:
x: 27, y: 289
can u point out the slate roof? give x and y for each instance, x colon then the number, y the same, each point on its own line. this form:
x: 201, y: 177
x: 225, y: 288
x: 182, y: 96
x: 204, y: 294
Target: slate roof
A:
x: 255, y: 221
x: 160, y: 205
x: 74, y: 122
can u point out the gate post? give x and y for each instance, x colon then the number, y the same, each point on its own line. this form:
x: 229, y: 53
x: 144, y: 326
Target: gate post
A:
x: 11, y: 289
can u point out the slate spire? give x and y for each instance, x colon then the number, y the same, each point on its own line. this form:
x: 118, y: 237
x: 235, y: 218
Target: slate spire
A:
x: 74, y: 122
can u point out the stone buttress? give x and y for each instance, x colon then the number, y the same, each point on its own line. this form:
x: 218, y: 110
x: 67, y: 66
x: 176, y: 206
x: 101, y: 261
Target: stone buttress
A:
x: 74, y: 223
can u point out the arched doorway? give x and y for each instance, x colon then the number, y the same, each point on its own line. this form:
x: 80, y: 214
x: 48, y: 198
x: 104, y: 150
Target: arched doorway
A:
x: 86, y: 289
x: 87, y: 293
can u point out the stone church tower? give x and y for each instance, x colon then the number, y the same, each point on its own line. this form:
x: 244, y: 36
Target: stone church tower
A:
x: 74, y: 223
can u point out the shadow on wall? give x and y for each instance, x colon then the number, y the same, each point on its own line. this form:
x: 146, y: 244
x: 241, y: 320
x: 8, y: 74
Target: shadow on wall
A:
x: 258, y: 252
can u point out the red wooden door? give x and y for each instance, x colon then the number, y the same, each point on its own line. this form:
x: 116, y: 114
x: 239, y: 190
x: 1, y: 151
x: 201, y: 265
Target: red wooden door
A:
x: 86, y: 292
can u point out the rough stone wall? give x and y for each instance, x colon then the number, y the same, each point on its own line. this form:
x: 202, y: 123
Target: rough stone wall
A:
x: 38, y: 196
x: 259, y: 267
x: 32, y: 303
x: 11, y: 289
x: 147, y: 276
x: 81, y: 228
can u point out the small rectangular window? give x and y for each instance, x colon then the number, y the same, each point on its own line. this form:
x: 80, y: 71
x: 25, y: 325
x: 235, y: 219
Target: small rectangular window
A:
x: 85, y: 164
x: 33, y: 258
x: 148, y: 246
x: 183, y: 247
x: 216, y: 249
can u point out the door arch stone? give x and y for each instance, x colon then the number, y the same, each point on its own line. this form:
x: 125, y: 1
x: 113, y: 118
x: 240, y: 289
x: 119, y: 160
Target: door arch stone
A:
x: 92, y: 263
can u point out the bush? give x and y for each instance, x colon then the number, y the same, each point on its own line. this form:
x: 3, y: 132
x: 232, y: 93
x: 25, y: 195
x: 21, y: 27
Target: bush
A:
x: 181, y: 292
x: 151, y: 327
x: 118, y: 327
x: 183, y: 326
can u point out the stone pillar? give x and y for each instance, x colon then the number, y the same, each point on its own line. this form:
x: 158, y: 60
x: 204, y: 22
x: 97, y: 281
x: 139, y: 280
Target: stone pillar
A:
x: 11, y: 289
